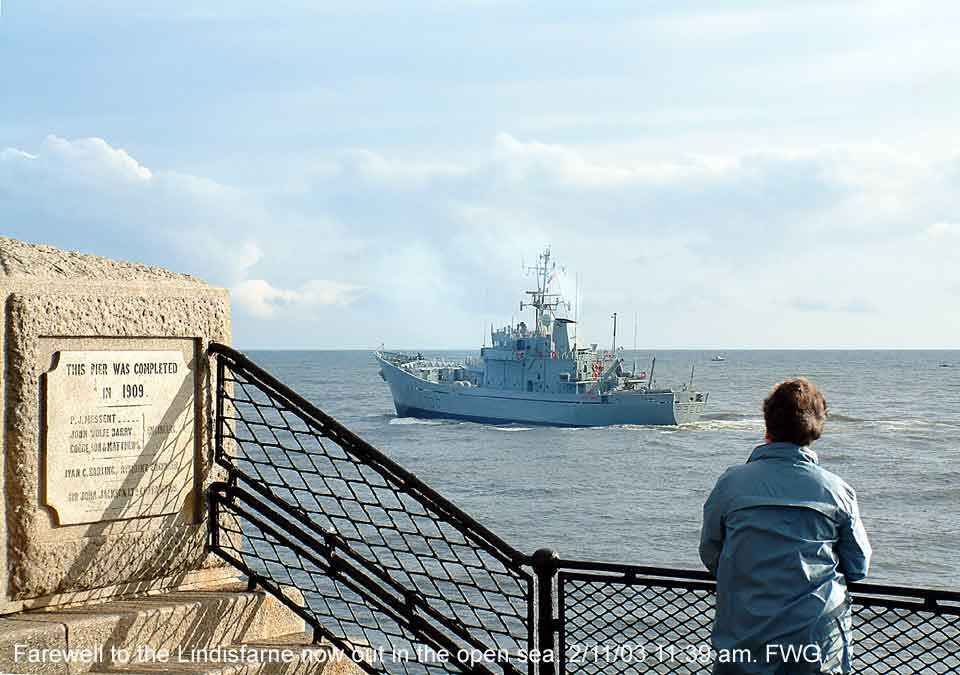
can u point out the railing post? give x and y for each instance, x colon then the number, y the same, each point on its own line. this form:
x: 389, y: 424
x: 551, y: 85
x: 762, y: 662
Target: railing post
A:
x: 213, y: 522
x: 219, y: 392
x: 545, y: 567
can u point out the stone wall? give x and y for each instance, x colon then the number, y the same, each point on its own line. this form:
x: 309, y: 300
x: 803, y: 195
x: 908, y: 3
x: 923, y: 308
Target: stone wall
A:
x: 69, y: 311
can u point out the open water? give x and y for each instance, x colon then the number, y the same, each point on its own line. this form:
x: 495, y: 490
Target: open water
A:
x: 633, y: 494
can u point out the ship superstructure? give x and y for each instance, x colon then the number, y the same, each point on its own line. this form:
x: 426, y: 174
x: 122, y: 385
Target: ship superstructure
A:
x: 537, y: 374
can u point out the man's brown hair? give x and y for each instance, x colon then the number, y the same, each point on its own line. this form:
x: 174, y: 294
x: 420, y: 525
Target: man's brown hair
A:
x: 795, y: 412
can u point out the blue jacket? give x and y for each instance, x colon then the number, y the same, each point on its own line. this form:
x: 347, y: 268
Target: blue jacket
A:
x: 783, y: 536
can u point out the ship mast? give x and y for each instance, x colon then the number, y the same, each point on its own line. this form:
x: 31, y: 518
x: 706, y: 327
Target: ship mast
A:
x: 542, y: 300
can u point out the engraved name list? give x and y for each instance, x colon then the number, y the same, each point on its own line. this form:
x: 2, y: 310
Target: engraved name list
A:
x: 119, y: 434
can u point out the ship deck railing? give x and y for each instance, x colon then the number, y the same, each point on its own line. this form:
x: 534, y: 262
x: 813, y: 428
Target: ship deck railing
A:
x: 406, y: 361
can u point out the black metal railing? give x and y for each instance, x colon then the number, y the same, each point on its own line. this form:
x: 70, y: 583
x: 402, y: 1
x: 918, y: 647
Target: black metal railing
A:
x: 385, y: 568
x: 358, y: 546
x: 628, y: 619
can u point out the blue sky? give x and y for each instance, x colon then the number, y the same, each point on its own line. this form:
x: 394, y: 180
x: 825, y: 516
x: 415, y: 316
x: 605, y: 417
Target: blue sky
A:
x: 775, y: 174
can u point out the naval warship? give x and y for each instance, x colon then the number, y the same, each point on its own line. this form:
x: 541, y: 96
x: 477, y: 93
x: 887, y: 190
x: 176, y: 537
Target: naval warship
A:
x: 537, y: 375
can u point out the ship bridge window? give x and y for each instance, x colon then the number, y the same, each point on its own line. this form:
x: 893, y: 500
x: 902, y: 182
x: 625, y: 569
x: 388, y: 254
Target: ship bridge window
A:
x: 521, y: 344
x: 529, y: 385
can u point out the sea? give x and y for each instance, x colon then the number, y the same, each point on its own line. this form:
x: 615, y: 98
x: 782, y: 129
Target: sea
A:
x: 634, y: 494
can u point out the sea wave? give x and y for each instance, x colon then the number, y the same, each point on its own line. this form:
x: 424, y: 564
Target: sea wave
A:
x: 904, y: 425
x: 415, y: 420
x: 647, y: 428
x: 727, y: 416
x: 938, y: 495
x: 837, y: 417
x: 512, y: 428
x: 746, y: 424
x: 736, y: 417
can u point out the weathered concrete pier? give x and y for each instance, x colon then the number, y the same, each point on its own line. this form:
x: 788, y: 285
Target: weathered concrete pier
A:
x: 107, y: 404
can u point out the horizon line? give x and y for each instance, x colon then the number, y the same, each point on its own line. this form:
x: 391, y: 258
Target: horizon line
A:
x: 645, y: 349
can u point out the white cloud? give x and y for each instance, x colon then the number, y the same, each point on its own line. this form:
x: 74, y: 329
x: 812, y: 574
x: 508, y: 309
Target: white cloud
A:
x: 92, y: 159
x: 703, y: 163
x: 705, y: 246
x: 84, y: 193
x: 265, y: 301
x: 943, y: 230
x: 851, y: 306
x: 12, y: 154
x: 375, y: 167
x: 710, y: 249
x: 526, y: 161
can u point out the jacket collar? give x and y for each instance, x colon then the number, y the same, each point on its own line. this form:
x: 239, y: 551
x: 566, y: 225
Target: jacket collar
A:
x: 792, y: 451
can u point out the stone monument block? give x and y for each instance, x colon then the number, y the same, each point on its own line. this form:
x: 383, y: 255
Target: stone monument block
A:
x: 107, y: 401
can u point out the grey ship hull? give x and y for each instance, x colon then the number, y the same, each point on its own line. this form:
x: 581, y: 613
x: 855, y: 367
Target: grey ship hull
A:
x: 416, y: 397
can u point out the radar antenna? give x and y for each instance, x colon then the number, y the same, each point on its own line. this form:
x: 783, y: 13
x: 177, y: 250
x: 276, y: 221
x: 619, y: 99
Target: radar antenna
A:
x: 542, y: 300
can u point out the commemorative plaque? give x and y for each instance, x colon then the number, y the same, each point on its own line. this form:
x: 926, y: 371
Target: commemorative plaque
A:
x: 119, y: 435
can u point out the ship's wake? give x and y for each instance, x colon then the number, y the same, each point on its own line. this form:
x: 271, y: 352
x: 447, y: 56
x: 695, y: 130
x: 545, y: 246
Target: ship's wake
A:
x: 415, y: 420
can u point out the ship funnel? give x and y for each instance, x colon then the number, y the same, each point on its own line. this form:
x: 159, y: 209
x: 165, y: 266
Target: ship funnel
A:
x: 561, y: 337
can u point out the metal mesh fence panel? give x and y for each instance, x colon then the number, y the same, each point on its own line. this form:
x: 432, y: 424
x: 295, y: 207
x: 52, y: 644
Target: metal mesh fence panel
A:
x: 370, y: 621
x: 612, y: 624
x: 451, y: 572
x: 906, y: 641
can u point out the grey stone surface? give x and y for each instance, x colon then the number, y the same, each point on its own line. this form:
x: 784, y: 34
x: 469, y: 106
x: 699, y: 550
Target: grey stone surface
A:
x: 30, y: 635
x: 174, y: 621
x: 21, y: 259
x: 57, y: 300
x: 302, y: 658
x: 177, y: 622
x: 322, y: 659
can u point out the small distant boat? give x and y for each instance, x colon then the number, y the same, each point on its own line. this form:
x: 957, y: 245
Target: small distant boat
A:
x: 946, y: 365
x: 718, y: 358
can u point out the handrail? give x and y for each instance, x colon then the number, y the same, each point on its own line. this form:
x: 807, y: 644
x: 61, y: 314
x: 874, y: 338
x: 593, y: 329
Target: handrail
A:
x: 858, y: 588
x: 634, y: 570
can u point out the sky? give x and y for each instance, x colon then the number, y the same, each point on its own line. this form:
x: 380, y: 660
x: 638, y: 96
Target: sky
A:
x: 726, y: 174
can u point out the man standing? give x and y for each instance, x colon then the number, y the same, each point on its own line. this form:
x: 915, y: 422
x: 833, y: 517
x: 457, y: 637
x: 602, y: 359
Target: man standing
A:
x: 783, y: 537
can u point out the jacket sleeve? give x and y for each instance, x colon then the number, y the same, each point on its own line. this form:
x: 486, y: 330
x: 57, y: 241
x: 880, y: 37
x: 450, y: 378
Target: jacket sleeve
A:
x: 711, y: 532
x: 853, y: 547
